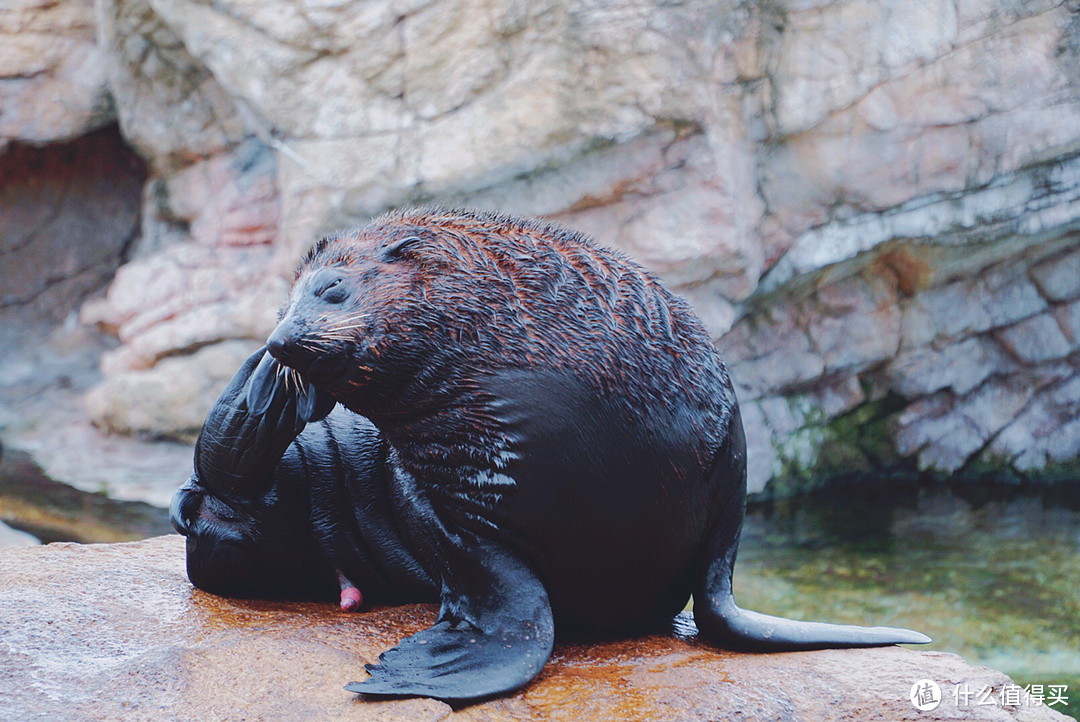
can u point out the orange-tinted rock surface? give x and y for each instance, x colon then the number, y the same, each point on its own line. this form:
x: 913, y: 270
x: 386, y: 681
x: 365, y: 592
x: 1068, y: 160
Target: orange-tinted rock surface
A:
x: 115, y: 631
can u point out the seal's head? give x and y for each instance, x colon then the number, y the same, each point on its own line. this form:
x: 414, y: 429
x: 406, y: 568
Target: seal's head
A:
x: 358, y: 308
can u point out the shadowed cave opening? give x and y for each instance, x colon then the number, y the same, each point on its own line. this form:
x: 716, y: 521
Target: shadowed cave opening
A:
x: 69, y: 217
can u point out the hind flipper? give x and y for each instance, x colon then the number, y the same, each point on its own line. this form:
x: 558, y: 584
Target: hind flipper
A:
x: 722, y: 621
x: 495, y: 632
x: 715, y: 611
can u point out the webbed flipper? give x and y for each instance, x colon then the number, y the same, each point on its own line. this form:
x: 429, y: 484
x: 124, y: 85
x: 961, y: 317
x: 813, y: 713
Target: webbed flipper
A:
x: 255, y: 418
x: 271, y: 381
x: 494, y: 633
x: 263, y: 384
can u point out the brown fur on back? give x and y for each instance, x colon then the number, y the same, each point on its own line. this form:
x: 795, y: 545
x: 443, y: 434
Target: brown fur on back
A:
x: 487, y: 291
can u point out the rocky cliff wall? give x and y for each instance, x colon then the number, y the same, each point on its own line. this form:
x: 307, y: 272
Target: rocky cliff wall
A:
x: 872, y: 203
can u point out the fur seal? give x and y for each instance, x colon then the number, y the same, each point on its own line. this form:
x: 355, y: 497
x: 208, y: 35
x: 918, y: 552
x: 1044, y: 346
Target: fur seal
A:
x: 561, y: 443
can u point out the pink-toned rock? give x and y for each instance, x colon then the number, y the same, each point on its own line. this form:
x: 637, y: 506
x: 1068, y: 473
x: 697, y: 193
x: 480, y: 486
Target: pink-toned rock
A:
x: 184, y: 298
x: 876, y: 111
x: 864, y: 206
x: 53, y: 79
x: 172, y: 398
x: 230, y: 199
x: 116, y: 632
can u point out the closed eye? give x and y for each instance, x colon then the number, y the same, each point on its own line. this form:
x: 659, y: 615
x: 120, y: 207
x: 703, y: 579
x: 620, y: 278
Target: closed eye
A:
x: 332, y: 291
x: 326, y: 287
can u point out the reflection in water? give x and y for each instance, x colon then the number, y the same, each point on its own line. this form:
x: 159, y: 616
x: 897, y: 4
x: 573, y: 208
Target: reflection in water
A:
x: 991, y: 573
x: 51, y: 511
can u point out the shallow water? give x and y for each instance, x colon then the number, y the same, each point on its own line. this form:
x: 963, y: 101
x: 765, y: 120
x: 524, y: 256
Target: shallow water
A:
x: 991, y: 573
x: 51, y: 511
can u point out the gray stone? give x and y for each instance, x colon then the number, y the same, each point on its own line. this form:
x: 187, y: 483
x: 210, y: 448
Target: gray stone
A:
x: 781, y: 418
x: 1035, y: 339
x: 994, y: 405
x: 939, y: 440
x: 960, y: 367
x: 840, y: 397
x: 1066, y: 396
x: 1068, y: 316
x: 1058, y: 279
x: 1019, y: 443
x: 946, y: 432
x: 1047, y: 431
x: 955, y: 310
x: 860, y: 325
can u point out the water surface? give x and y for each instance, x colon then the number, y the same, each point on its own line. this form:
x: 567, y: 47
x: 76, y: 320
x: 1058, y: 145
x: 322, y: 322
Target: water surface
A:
x: 52, y: 511
x: 990, y: 572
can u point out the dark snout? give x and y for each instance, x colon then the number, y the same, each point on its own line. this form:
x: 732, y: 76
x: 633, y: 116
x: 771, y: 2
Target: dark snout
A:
x: 284, y: 345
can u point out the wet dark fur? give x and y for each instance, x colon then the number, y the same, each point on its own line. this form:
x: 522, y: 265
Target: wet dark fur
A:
x: 275, y: 510
x: 563, y: 440
x: 449, y: 302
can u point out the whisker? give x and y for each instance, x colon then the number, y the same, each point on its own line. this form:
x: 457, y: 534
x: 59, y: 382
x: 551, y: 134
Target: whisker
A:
x: 353, y: 317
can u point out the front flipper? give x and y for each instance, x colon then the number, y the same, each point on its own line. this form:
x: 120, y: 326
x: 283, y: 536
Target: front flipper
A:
x: 495, y: 632
x: 238, y: 448
x: 270, y: 381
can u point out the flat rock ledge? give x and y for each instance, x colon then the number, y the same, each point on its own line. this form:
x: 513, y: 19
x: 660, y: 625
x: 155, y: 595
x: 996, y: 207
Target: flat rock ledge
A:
x: 115, y: 631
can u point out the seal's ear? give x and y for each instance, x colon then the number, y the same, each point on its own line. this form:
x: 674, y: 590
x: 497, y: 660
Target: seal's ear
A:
x: 402, y: 247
